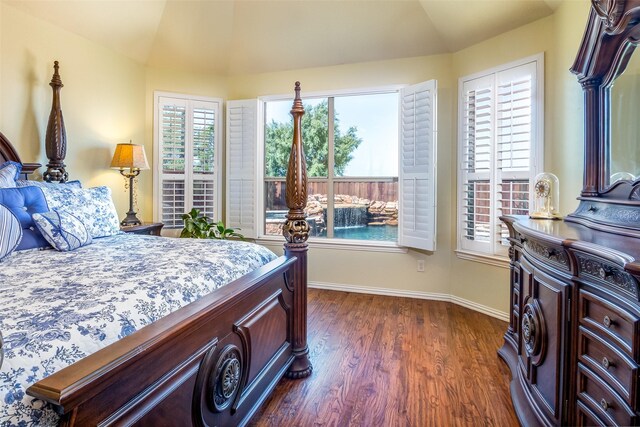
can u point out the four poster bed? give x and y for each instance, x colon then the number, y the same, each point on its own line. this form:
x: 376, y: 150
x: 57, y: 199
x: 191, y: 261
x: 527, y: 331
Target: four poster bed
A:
x: 212, y: 361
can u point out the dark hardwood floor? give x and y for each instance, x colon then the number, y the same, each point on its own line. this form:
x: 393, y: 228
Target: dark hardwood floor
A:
x: 387, y: 361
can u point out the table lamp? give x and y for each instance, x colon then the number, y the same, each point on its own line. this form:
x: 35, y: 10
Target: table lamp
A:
x: 130, y: 159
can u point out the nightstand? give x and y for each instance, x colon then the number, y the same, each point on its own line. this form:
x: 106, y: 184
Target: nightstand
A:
x: 148, y: 228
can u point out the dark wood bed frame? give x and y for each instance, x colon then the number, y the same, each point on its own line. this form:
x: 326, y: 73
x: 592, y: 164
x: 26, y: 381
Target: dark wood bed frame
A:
x: 214, y: 361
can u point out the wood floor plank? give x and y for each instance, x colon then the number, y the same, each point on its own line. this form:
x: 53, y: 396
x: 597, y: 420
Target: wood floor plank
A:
x: 387, y: 361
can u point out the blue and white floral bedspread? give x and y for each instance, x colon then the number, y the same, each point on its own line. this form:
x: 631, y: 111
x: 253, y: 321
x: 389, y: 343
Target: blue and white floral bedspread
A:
x: 58, y: 307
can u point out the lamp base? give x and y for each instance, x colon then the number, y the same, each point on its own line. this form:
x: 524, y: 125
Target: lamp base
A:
x: 130, y: 220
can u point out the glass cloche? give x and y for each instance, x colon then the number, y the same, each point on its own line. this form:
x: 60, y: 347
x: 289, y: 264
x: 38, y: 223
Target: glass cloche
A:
x: 546, y: 196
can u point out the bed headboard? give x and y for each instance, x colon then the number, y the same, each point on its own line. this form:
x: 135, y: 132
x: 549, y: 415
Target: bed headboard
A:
x: 8, y: 152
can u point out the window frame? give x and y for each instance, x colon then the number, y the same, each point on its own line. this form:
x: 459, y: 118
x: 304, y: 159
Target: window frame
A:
x: 326, y: 242
x: 188, y: 174
x: 497, y: 254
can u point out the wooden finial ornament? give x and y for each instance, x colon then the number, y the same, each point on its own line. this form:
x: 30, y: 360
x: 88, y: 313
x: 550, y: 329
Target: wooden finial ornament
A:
x: 296, y: 229
x: 56, y: 136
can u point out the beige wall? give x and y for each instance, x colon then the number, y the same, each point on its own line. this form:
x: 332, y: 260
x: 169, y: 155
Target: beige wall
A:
x: 103, y: 98
x: 109, y: 99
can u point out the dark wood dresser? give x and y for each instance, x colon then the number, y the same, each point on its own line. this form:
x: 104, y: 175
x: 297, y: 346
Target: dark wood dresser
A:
x: 573, y: 343
x: 148, y: 228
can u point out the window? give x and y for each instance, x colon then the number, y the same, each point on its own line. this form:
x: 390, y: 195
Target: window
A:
x: 186, y: 139
x: 500, y: 151
x: 352, y: 147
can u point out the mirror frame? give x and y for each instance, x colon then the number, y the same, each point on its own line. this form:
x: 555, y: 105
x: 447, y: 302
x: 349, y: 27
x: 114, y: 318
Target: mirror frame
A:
x: 610, y: 38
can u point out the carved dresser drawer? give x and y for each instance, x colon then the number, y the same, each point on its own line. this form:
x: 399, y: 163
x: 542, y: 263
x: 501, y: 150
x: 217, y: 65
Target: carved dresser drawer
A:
x: 610, y: 322
x: 592, y: 269
x: 551, y: 255
x: 603, y: 401
x: 609, y: 363
x: 586, y: 417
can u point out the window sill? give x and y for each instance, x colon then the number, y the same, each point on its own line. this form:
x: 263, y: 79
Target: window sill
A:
x: 496, y: 261
x: 335, y: 244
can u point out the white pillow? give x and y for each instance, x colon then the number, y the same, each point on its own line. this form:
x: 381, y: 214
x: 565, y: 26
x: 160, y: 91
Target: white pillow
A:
x: 9, y: 172
x: 10, y: 232
x: 93, y: 206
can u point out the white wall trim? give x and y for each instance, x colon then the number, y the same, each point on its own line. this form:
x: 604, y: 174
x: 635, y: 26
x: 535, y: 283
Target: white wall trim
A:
x: 433, y: 296
x: 494, y: 260
x: 340, y: 244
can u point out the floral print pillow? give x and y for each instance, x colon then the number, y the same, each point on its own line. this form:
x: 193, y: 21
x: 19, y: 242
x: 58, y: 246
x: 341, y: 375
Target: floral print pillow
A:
x: 92, y: 206
x: 62, y: 229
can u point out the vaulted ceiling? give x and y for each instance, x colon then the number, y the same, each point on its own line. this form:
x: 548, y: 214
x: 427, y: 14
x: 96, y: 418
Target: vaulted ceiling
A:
x: 252, y: 36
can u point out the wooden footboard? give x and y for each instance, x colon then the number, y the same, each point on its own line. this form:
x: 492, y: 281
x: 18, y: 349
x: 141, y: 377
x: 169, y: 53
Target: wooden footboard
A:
x: 211, y: 363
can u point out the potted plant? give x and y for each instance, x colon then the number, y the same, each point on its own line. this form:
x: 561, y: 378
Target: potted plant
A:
x: 197, y: 226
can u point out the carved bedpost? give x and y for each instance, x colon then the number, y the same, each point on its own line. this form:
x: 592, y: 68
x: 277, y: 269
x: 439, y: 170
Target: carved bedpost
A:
x: 296, y: 232
x: 56, y: 136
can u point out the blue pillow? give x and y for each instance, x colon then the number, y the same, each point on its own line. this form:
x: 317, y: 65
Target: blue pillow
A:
x: 27, y: 183
x: 10, y: 232
x: 62, y: 229
x: 9, y: 172
x: 24, y: 202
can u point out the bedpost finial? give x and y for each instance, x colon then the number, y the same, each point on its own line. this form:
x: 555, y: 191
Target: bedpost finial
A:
x: 55, y: 80
x: 297, y: 101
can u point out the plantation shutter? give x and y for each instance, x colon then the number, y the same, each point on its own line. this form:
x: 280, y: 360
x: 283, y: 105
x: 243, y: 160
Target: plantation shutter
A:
x: 172, y: 136
x: 514, y: 136
x: 186, y: 158
x: 477, y: 135
x: 242, y: 169
x: 203, y: 166
x: 500, y: 152
x: 418, y: 166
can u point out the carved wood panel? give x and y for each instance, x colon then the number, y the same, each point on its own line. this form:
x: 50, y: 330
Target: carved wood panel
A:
x: 544, y: 303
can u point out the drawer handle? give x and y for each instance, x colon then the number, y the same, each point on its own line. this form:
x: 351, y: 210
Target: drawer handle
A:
x: 607, y: 321
x: 605, y: 363
x: 605, y: 405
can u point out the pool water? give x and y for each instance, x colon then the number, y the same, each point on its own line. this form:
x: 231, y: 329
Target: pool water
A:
x: 377, y: 232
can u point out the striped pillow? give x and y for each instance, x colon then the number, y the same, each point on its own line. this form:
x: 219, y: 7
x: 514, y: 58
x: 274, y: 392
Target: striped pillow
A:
x: 9, y: 172
x: 10, y: 232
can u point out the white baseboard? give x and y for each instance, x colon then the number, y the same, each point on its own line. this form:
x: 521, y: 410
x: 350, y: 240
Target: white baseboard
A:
x: 413, y: 294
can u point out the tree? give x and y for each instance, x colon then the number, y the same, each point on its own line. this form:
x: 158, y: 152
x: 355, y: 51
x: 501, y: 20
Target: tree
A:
x: 315, y: 137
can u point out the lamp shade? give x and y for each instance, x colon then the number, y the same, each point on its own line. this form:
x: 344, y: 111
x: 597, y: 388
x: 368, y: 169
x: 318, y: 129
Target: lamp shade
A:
x: 129, y: 156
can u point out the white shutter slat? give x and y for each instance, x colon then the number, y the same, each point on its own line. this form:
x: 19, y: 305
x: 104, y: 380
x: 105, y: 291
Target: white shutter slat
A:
x: 242, y: 142
x: 173, y: 137
x: 203, y: 137
x: 418, y: 166
x: 173, y: 202
x: 204, y: 196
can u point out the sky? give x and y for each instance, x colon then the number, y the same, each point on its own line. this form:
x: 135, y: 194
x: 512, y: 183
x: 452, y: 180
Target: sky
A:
x: 376, y: 119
